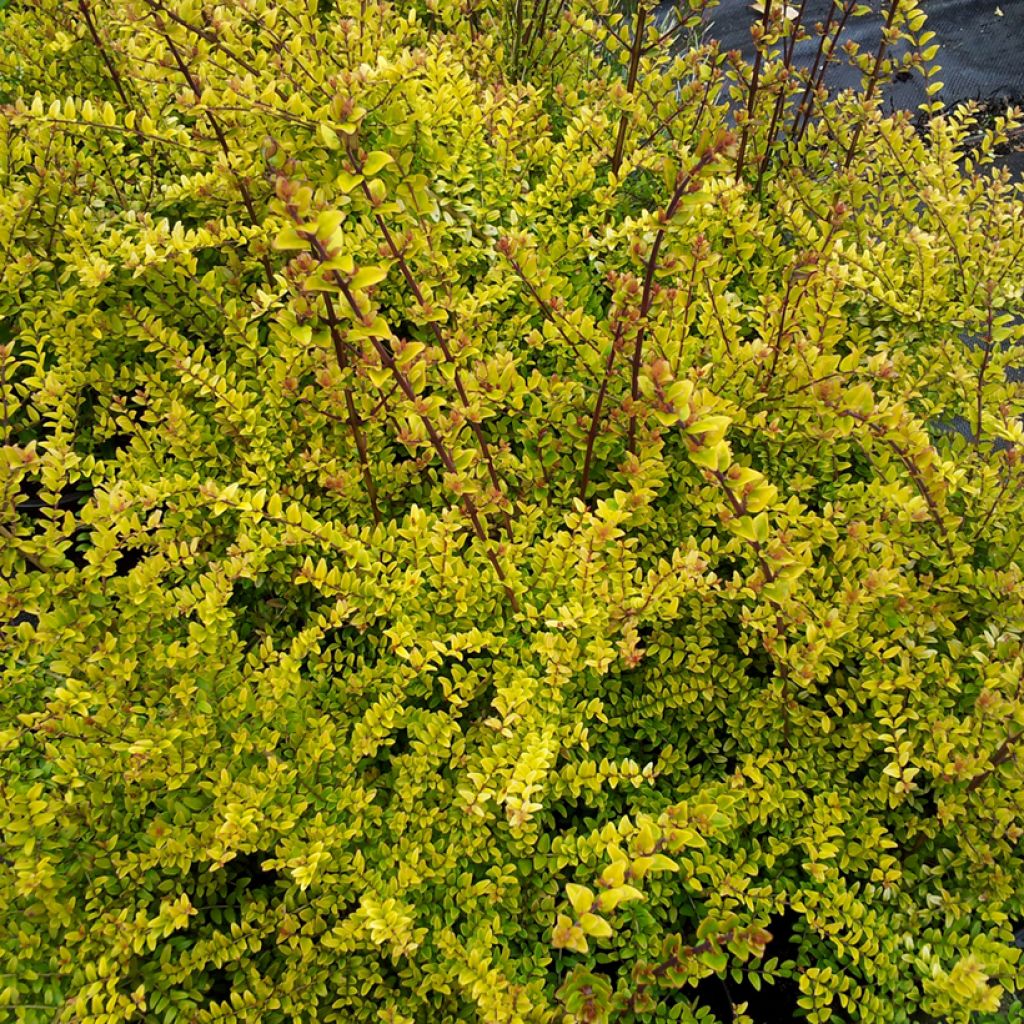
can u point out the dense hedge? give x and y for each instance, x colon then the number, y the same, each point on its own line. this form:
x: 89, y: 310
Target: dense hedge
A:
x: 503, y: 519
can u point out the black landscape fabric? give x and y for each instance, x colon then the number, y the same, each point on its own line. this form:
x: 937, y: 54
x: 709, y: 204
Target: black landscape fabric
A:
x: 982, y: 50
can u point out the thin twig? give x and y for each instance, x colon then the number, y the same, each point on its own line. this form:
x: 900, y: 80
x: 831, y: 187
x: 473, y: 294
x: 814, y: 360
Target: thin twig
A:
x: 406, y: 270
x: 405, y: 385
x: 647, y: 297
x: 243, y: 188
x: 83, y: 6
x: 752, y: 91
x: 350, y: 408
x: 883, y: 46
x: 595, y: 418
x: 634, y: 66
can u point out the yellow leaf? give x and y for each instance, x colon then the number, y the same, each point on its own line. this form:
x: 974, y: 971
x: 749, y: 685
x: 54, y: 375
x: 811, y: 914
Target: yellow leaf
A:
x: 366, y: 277
x: 596, y: 926
x: 328, y: 136
x: 289, y: 238
x: 581, y: 898
x: 375, y: 162
x: 346, y: 182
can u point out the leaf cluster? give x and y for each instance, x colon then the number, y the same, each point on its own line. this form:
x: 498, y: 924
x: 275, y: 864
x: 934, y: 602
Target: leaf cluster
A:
x: 500, y: 520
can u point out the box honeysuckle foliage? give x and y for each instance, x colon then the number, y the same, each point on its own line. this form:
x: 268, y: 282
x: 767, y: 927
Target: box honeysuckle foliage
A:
x: 482, y: 532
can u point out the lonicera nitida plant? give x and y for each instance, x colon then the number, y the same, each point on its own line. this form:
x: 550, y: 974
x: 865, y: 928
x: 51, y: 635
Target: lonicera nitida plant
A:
x: 502, y: 520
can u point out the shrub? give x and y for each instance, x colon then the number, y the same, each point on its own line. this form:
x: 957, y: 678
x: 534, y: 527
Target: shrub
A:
x: 484, y: 533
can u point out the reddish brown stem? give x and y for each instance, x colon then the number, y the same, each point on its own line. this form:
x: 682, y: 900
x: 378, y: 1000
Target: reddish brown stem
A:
x: 780, y: 100
x: 405, y: 385
x: 595, y: 419
x: 752, y: 93
x: 243, y: 188
x: 739, y: 509
x: 915, y: 473
x: 647, y: 297
x: 883, y: 45
x: 818, y: 67
x: 989, y: 345
x: 406, y: 270
x: 1004, y: 753
x: 634, y: 67
x: 31, y: 559
x: 350, y: 409
x: 992, y: 508
x: 83, y: 6
x: 207, y: 37
x: 542, y: 305
x: 781, y: 332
